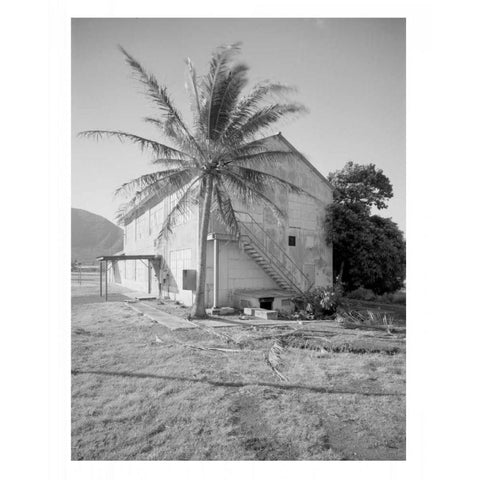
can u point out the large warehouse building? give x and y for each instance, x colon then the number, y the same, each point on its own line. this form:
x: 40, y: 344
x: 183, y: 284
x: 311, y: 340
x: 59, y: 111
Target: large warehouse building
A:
x: 271, y: 260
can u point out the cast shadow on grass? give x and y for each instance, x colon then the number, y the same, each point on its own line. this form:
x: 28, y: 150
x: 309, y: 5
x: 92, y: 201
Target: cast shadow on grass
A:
x: 281, y: 386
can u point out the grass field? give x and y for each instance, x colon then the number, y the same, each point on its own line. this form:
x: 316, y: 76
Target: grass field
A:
x: 134, y: 398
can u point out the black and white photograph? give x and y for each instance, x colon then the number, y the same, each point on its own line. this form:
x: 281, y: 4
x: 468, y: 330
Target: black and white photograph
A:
x: 205, y: 264
x: 238, y: 239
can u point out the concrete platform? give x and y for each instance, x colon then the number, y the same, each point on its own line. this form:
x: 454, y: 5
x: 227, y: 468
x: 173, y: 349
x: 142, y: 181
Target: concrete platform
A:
x: 139, y: 295
x: 221, y: 311
x: 166, y: 319
x: 261, y: 313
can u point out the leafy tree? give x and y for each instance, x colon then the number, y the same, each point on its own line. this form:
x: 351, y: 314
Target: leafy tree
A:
x: 214, y: 160
x: 361, y: 185
x: 368, y: 250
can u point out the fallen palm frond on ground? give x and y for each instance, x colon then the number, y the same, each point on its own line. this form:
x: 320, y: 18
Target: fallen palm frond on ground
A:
x: 388, y: 322
x: 302, y: 332
x: 368, y: 319
x: 274, y: 359
x: 312, y: 337
x: 306, y: 339
x: 194, y: 347
x: 217, y: 349
x: 299, y: 338
x: 221, y: 335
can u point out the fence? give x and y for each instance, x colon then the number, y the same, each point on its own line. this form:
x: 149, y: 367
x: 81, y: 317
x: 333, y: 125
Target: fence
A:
x: 85, y: 275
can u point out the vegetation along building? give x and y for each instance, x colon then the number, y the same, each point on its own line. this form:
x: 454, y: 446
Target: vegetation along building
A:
x: 272, y: 259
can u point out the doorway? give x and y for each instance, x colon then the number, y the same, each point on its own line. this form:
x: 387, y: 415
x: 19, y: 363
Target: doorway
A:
x: 266, y: 303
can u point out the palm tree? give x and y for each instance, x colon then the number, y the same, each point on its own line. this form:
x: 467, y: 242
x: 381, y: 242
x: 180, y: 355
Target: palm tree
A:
x: 215, y: 157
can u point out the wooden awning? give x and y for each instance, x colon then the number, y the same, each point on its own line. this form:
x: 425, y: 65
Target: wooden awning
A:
x: 151, y: 259
x: 127, y: 257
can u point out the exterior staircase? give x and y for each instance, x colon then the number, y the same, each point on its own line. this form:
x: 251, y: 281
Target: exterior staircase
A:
x: 261, y: 260
x: 271, y: 257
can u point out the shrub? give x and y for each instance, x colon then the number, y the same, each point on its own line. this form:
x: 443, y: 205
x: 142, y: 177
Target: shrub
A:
x: 399, y: 297
x: 362, y: 294
x: 320, y: 301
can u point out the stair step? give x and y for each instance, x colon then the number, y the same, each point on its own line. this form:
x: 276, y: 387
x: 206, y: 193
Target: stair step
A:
x: 271, y: 271
x: 260, y: 260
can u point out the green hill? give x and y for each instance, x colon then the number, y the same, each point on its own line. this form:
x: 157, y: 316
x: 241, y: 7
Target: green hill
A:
x: 93, y: 235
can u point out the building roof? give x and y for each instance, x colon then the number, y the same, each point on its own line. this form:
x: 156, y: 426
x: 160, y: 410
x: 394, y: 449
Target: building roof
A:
x: 154, y: 199
x: 304, y: 160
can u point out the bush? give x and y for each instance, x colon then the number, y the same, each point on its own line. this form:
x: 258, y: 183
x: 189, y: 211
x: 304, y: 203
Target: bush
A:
x: 399, y: 297
x: 362, y: 294
x: 320, y: 301
x: 368, y: 295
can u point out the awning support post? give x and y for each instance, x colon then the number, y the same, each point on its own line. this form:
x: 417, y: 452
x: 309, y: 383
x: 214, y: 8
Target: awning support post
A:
x: 149, y: 277
x: 106, y: 280
x: 101, y: 279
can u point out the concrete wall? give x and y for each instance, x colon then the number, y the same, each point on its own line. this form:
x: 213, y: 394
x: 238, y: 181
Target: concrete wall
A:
x: 178, y: 251
x: 236, y: 271
x: 304, y: 220
x: 305, y: 217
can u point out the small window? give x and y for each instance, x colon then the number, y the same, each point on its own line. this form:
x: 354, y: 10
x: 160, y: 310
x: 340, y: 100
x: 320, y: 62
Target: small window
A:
x: 292, y: 241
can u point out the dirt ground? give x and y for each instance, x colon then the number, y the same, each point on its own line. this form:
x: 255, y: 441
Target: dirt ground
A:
x: 138, y: 393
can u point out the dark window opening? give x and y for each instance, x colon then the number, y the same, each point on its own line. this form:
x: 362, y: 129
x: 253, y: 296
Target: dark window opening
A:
x: 266, y: 303
x: 292, y: 241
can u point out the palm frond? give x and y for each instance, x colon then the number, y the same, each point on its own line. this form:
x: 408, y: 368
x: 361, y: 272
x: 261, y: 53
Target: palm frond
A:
x: 172, y: 177
x: 185, y: 142
x: 226, y: 94
x: 223, y: 207
x: 249, y: 148
x: 156, y: 93
x: 172, y: 125
x: 192, y: 89
x: 158, y: 190
x: 145, y: 144
x: 263, y: 118
x: 247, y: 193
x: 248, y: 105
x: 274, y: 359
x: 151, y: 190
x: 218, y: 72
x: 257, y: 177
x: 120, y: 213
x: 168, y: 163
x: 187, y: 201
x: 268, y: 158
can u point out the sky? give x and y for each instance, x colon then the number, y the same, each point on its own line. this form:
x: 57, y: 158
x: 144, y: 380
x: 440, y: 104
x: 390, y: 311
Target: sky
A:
x: 350, y: 73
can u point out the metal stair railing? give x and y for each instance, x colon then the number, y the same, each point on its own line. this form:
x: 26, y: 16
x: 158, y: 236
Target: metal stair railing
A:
x: 274, y: 253
x: 288, y: 278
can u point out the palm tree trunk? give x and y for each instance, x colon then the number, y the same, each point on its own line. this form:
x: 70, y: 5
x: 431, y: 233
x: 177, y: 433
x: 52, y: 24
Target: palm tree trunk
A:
x: 198, y: 309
